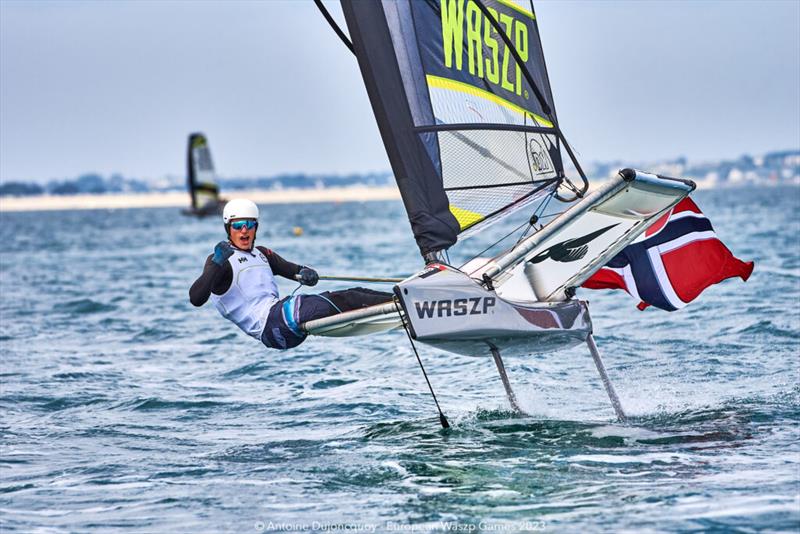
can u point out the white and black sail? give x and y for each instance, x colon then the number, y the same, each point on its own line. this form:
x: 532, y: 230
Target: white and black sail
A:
x: 468, y: 121
x: 201, y: 178
x: 463, y: 102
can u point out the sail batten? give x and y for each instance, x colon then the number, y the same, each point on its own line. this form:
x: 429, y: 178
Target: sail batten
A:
x: 467, y: 121
x: 484, y: 126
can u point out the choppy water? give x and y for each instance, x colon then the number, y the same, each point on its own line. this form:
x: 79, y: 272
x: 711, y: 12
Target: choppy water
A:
x: 123, y: 407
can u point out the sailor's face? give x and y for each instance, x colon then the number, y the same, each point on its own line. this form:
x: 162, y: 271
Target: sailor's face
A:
x: 243, y: 234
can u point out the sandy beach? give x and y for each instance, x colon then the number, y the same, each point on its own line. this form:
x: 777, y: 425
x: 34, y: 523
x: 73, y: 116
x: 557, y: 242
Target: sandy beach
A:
x: 180, y: 199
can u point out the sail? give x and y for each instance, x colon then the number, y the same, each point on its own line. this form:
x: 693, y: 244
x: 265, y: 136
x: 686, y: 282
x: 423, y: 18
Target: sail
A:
x: 201, y: 177
x: 468, y: 137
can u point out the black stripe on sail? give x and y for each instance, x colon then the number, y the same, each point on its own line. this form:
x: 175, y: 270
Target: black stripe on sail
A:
x: 544, y: 183
x: 435, y: 227
x: 487, y: 126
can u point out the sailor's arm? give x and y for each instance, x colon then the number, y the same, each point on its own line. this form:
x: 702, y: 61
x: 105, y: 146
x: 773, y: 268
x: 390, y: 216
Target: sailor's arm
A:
x: 280, y: 266
x: 217, y: 277
x: 289, y: 270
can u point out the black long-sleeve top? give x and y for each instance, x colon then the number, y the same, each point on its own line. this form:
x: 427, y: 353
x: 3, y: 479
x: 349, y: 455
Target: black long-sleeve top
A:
x: 217, y: 279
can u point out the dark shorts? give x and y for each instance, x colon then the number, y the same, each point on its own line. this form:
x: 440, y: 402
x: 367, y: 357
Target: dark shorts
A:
x: 282, y: 330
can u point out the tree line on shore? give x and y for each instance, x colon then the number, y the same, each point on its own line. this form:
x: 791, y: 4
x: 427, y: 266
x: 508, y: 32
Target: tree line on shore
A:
x: 771, y: 168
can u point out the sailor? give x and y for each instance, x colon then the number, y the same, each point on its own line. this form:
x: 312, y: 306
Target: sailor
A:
x: 240, y: 279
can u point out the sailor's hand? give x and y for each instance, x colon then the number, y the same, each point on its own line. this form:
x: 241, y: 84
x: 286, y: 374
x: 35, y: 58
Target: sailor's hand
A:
x: 222, y: 252
x: 308, y: 276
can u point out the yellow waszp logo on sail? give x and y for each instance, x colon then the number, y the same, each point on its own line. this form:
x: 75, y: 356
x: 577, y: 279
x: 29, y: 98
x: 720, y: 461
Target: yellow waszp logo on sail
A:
x: 463, y: 18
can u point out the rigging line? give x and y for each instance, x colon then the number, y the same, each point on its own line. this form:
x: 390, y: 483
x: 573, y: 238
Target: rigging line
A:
x: 523, y: 198
x: 522, y: 235
x: 361, y: 279
x: 585, y: 187
x: 336, y: 28
x: 569, y: 185
x: 532, y: 221
x: 493, y: 245
x: 542, y: 206
x: 536, y: 217
x: 442, y: 418
x: 552, y: 215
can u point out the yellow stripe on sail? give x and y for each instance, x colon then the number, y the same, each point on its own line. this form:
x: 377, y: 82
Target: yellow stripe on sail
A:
x: 515, y: 7
x: 464, y: 217
x: 461, y: 87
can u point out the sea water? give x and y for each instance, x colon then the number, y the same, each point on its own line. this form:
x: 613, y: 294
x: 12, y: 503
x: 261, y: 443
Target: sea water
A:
x: 126, y: 408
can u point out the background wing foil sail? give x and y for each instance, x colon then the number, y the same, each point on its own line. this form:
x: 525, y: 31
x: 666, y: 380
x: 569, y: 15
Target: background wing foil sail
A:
x: 202, y: 180
x: 468, y: 139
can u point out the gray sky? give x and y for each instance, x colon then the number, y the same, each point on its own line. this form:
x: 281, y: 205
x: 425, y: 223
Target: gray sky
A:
x: 117, y: 86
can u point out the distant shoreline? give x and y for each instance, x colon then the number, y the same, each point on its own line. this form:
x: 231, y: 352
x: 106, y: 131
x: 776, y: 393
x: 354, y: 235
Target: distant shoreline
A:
x: 181, y: 199
x: 177, y: 199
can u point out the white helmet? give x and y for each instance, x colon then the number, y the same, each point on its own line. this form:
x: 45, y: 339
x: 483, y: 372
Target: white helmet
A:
x: 239, y: 208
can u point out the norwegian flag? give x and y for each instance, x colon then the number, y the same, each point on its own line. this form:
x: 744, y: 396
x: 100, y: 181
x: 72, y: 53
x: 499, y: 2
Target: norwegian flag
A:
x: 672, y: 262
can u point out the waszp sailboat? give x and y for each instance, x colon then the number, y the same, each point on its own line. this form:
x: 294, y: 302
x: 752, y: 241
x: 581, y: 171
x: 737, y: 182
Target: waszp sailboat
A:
x: 463, y: 102
x: 201, y: 180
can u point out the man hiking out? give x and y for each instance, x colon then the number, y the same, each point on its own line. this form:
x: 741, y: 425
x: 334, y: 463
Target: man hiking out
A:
x: 240, y: 279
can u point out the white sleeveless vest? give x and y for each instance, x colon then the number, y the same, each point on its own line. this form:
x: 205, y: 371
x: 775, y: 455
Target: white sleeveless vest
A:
x: 252, y: 293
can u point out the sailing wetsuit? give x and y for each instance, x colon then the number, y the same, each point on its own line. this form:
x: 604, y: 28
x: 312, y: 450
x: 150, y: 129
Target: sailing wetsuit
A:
x: 244, y: 291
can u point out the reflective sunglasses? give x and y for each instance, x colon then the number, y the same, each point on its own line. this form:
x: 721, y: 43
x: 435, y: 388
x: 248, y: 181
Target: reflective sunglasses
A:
x: 238, y: 225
